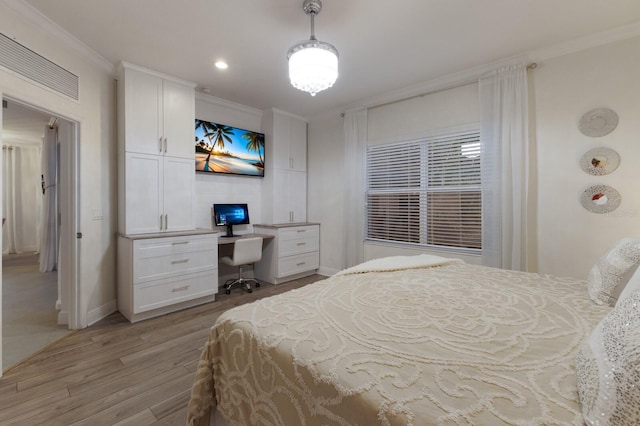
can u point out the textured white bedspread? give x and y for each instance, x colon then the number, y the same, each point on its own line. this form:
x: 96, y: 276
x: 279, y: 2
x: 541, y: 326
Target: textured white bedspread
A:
x: 448, y: 345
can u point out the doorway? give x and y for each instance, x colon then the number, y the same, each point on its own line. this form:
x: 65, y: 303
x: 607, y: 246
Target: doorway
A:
x: 35, y: 302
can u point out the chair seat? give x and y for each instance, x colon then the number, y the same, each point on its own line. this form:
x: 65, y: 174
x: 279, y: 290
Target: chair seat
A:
x: 246, y: 251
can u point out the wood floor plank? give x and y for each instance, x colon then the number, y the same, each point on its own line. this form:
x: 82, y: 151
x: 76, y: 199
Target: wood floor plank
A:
x: 143, y: 418
x: 115, y: 372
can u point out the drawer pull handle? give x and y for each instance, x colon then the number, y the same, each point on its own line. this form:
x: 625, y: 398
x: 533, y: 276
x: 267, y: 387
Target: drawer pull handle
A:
x: 302, y: 244
x: 173, y: 262
x: 301, y: 230
x: 185, y: 288
x: 179, y: 242
x: 301, y: 263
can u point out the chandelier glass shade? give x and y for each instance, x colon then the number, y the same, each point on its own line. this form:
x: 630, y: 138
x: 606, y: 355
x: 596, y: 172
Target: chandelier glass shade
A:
x: 313, y: 64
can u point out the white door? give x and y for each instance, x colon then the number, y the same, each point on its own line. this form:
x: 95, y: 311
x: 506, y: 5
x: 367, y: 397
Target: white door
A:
x: 179, y: 193
x: 143, y: 110
x: 298, y: 145
x: 179, y: 127
x: 143, y: 193
x: 298, y: 196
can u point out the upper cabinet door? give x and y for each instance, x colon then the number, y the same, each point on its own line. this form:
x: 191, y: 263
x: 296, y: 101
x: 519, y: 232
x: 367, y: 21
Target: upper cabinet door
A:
x: 143, y: 113
x: 179, y: 121
x: 298, y: 145
x: 281, y: 158
x: 289, y: 143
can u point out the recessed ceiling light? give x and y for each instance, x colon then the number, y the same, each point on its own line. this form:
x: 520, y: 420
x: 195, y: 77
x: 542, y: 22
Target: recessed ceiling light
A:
x: 221, y: 65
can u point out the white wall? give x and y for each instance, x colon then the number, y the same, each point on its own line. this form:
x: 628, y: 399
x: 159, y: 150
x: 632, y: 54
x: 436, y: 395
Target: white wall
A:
x: 570, y: 239
x: 95, y: 113
x: 567, y: 239
x: 221, y: 188
x: 325, y: 189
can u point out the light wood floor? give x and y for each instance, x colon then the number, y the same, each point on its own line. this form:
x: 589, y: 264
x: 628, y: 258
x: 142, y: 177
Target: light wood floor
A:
x: 119, y: 373
x: 29, y: 316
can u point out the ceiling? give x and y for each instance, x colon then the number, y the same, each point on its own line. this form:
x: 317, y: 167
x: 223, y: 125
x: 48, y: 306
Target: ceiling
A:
x: 384, y: 46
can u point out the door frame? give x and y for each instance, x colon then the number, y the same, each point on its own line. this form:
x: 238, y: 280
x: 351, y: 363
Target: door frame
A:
x: 70, y: 180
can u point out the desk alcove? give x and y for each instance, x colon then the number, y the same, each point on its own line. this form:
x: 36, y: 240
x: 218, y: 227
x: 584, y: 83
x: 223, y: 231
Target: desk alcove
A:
x: 225, y: 248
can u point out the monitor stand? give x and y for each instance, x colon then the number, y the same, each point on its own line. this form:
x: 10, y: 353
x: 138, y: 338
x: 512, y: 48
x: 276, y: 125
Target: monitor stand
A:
x: 229, y: 231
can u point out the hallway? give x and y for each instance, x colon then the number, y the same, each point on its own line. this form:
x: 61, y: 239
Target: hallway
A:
x: 29, y: 317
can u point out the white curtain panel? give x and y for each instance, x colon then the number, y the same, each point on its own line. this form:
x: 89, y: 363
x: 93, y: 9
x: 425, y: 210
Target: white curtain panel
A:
x: 20, y: 198
x: 49, y: 239
x: 355, y: 147
x: 504, y: 137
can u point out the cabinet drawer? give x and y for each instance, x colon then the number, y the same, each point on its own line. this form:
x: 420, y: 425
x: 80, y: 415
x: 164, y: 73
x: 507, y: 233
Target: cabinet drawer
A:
x: 154, y: 247
x: 297, y: 232
x: 157, y: 294
x: 153, y: 268
x: 305, y: 244
x: 296, y: 264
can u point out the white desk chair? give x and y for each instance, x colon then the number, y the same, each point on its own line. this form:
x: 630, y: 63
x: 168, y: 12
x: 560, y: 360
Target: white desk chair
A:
x: 246, y: 251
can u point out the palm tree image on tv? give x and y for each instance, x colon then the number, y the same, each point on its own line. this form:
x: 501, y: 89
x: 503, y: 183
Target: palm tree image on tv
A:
x: 226, y: 149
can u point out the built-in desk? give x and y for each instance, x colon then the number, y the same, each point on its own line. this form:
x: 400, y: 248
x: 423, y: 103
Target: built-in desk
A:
x: 230, y: 240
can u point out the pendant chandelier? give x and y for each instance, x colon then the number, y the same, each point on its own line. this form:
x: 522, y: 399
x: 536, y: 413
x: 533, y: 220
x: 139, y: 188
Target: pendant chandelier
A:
x: 313, y: 64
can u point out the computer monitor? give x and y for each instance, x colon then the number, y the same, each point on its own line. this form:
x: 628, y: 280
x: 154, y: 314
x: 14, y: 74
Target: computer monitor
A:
x: 229, y: 215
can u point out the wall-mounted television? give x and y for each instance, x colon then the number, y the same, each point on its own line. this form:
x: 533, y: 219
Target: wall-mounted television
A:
x: 229, y: 150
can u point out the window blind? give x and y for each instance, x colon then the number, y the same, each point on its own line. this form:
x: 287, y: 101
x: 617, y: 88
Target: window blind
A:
x: 426, y: 192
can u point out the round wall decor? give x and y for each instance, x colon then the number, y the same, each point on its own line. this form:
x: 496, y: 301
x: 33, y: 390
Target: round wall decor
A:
x: 600, y: 161
x: 600, y: 199
x: 598, y: 122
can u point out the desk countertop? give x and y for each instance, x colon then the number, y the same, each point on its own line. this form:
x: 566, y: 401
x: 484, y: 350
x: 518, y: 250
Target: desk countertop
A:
x: 229, y: 240
x: 199, y: 231
x: 286, y: 225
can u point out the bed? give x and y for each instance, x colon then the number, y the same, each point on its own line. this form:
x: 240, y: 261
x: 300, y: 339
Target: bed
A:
x: 414, y: 340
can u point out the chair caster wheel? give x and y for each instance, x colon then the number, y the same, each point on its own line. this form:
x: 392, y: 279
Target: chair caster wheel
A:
x: 257, y: 284
x: 228, y: 291
x: 249, y: 291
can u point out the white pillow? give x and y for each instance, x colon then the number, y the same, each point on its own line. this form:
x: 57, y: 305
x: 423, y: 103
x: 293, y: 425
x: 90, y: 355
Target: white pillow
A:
x: 608, y: 368
x: 610, y: 274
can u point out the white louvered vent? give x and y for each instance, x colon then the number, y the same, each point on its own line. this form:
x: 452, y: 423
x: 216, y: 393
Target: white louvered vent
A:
x: 27, y: 63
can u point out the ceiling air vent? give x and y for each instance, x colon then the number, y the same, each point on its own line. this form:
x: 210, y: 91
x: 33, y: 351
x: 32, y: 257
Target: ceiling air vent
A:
x: 27, y: 63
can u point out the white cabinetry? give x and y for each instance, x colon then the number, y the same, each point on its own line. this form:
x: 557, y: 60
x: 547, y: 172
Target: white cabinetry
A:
x: 162, y: 113
x: 156, y: 169
x: 163, y: 274
x: 286, y: 168
x: 292, y: 254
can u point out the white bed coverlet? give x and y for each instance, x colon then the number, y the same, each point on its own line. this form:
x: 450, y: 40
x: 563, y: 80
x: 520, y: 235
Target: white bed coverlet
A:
x: 450, y: 345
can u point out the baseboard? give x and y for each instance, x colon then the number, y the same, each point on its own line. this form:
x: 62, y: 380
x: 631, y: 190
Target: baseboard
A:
x: 63, y: 317
x: 95, y: 315
x: 327, y: 272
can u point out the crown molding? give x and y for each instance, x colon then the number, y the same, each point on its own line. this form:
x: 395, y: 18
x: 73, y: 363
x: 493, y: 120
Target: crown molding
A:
x: 210, y: 99
x: 47, y: 25
x: 587, y: 42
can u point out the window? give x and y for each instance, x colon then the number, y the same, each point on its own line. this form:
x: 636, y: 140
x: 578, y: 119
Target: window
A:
x: 426, y: 192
